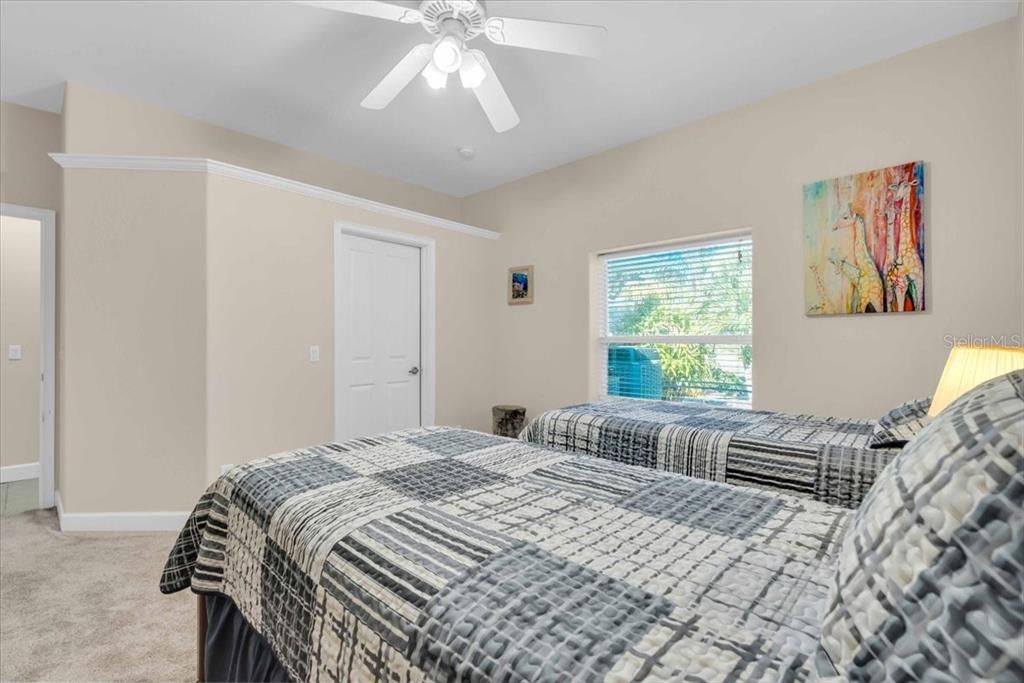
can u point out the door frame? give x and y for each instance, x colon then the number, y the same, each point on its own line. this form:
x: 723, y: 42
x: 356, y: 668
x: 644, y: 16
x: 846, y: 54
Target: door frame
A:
x: 428, y: 316
x: 47, y: 341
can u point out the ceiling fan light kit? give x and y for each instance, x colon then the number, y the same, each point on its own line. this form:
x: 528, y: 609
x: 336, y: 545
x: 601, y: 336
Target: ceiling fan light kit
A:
x: 436, y: 78
x: 472, y: 73
x: 456, y: 22
x: 448, y: 54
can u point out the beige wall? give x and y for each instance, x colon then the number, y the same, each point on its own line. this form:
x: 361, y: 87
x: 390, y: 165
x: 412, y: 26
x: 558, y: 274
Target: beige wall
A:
x: 953, y: 104
x: 132, y: 347
x: 188, y: 326
x: 1020, y: 128
x: 19, y: 324
x: 98, y: 122
x: 27, y: 175
x: 195, y: 300
x: 270, y: 274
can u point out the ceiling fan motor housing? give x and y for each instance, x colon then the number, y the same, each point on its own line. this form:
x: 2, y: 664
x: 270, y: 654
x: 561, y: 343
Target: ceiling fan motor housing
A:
x: 463, y: 18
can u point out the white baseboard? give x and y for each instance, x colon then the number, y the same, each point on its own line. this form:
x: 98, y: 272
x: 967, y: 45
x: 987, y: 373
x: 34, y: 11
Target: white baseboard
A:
x: 118, y: 521
x: 19, y: 472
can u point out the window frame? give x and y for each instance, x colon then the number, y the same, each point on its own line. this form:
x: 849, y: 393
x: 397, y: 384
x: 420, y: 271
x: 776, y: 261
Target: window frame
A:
x: 605, y: 340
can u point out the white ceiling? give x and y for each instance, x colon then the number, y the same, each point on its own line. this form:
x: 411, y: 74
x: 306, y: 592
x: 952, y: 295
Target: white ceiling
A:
x: 296, y: 74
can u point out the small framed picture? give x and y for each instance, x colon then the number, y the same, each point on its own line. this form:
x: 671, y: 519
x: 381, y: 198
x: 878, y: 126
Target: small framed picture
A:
x: 520, y: 285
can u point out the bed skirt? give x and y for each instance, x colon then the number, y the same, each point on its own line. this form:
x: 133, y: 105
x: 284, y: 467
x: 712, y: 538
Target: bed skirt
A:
x: 232, y: 650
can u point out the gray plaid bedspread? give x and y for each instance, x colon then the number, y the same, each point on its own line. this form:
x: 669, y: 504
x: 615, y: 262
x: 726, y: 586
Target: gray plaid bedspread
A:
x: 447, y: 555
x: 824, y: 458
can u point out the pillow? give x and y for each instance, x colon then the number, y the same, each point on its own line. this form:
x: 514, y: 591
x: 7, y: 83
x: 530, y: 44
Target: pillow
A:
x: 928, y: 578
x: 901, y: 424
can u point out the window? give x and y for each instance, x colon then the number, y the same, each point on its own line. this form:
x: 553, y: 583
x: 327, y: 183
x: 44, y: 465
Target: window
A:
x: 676, y: 322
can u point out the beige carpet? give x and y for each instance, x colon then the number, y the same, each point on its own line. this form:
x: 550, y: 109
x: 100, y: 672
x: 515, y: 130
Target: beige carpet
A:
x: 87, y: 607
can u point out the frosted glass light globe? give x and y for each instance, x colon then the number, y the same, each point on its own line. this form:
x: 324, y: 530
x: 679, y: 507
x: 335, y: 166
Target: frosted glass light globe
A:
x: 448, y: 54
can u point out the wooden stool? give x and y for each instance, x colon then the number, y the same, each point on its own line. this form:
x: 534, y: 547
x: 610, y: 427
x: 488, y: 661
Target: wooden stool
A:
x: 508, y: 420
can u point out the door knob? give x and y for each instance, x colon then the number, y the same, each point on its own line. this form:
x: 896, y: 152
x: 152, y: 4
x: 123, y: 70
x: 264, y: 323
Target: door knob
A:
x: 414, y: 371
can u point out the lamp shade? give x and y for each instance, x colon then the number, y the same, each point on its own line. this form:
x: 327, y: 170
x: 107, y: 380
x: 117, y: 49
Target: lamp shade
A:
x: 969, y: 366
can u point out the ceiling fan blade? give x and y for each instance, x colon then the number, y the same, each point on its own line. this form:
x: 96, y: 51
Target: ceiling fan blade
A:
x: 493, y: 98
x: 572, y: 39
x: 369, y: 8
x: 399, y: 77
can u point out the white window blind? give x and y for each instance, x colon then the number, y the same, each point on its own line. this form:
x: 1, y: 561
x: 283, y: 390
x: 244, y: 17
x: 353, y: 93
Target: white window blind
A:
x: 675, y: 322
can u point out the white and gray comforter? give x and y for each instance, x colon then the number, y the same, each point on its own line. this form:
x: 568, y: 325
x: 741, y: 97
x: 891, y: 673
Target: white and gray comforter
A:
x: 447, y: 555
x: 824, y: 458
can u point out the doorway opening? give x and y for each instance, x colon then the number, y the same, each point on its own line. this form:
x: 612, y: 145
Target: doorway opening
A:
x: 27, y: 331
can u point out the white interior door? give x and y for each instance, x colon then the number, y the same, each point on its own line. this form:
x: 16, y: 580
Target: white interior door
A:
x: 377, y: 355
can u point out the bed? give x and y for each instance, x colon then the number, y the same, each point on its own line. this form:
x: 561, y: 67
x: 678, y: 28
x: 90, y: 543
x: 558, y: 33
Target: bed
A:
x: 824, y: 458
x: 448, y: 555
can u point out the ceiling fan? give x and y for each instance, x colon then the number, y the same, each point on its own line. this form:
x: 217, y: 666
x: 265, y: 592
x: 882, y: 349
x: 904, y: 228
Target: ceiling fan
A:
x: 455, y: 23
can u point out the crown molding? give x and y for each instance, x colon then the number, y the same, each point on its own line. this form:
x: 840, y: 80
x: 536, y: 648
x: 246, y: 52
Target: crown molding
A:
x: 196, y: 165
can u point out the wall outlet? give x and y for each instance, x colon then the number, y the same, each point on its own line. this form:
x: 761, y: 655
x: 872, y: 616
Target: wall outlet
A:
x: 314, y: 354
x: 14, y: 352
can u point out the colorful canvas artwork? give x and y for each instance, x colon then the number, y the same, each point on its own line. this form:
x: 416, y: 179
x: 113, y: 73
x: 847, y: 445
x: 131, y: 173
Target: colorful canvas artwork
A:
x: 864, y: 242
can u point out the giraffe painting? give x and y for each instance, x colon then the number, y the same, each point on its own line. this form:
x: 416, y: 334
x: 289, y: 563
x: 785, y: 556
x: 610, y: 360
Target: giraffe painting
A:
x: 866, y: 293
x: 864, y: 242
x: 906, y: 275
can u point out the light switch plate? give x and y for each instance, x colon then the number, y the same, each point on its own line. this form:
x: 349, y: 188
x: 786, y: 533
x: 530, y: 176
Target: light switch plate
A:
x: 14, y: 352
x: 314, y: 354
